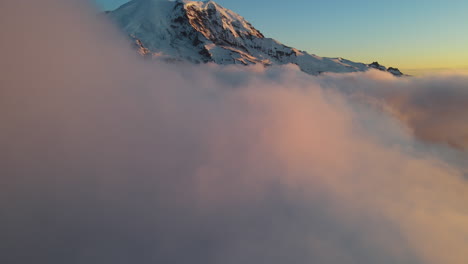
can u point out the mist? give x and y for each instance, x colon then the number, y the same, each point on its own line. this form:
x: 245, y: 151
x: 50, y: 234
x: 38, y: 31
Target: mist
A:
x: 108, y: 158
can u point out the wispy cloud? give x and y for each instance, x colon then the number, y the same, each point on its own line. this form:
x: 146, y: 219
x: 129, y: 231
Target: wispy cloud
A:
x: 432, y: 71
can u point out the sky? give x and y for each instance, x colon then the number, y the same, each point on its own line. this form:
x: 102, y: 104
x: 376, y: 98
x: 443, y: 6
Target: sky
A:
x: 411, y: 35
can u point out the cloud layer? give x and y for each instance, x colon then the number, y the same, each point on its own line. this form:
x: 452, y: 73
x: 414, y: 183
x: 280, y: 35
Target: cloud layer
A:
x: 106, y: 158
x: 433, y: 107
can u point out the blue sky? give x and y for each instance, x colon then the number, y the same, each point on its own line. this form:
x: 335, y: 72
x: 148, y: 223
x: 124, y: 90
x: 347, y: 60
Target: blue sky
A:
x: 410, y: 34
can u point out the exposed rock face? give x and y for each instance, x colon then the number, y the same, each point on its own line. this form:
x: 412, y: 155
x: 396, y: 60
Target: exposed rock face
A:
x: 394, y: 71
x: 202, y: 32
x: 377, y: 66
x: 141, y: 48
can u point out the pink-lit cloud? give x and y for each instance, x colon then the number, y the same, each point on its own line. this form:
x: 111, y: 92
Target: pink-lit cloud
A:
x: 106, y: 158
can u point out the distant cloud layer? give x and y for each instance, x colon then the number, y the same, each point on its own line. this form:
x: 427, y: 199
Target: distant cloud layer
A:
x: 433, y: 107
x: 106, y: 158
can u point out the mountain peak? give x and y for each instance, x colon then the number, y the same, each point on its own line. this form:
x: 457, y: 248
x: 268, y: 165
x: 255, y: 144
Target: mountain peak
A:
x: 204, y: 31
x: 214, y: 21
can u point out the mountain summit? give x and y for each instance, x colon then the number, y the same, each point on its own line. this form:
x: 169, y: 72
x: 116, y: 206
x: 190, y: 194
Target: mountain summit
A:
x: 202, y: 32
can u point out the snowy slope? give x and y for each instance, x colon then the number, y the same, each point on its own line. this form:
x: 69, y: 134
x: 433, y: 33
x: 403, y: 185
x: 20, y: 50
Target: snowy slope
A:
x: 202, y: 32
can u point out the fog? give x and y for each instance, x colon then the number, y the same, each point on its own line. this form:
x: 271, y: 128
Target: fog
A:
x: 108, y: 158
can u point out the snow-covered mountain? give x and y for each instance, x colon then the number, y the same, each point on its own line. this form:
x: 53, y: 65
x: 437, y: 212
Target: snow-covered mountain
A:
x: 202, y: 32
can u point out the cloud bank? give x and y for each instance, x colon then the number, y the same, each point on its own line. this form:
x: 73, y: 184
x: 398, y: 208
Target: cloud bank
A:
x: 433, y: 107
x: 106, y: 158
